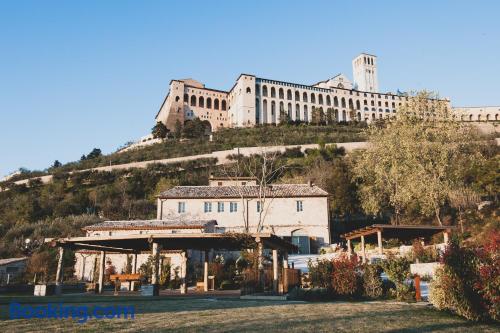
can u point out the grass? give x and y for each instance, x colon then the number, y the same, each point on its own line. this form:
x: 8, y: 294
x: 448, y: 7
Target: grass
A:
x: 234, y: 315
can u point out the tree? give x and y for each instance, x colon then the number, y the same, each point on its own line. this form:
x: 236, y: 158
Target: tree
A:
x: 159, y: 131
x: 96, y: 152
x: 194, y: 129
x: 56, y: 164
x: 416, y: 159
x: 177, y: 129
x: 265, y: 168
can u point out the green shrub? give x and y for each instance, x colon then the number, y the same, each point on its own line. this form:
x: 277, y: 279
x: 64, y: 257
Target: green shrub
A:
x: 372, y: 282
x: 398, y: 271
x: 228, y: 285
x: 320, y: 273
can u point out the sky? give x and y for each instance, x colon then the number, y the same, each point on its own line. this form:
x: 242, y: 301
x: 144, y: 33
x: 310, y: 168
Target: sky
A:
x: 75, y: 75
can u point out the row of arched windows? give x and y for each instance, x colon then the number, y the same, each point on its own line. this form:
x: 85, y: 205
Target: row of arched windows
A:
x: 321, y: 100
x: 480, y: 118
x: 202, y: 103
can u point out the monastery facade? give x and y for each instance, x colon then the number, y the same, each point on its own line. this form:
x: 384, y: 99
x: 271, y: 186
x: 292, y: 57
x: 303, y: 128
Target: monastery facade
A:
x: 255, y: 100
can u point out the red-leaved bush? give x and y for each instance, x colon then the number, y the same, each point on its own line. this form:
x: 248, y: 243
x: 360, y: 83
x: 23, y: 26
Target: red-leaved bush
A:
x: 469, y: 281
x: 488, y: 284
x: 345, y: 275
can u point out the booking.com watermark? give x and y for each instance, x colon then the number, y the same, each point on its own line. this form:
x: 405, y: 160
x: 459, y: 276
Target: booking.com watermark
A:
x: 80, y: 313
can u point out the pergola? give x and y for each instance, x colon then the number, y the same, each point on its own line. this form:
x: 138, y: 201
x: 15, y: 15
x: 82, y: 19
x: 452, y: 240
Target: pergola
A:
x: 138, y: 243
x: 401, y: 232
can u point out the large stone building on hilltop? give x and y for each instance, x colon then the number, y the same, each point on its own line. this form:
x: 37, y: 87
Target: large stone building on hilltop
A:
x: 254, y: 100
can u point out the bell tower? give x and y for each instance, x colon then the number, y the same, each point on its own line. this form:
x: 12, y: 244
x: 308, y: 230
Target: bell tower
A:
x: 364, y: 68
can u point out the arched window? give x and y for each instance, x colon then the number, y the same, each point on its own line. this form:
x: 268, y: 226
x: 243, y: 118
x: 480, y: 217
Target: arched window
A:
x: 304, y: 97
x: 264, y: 111
x: 257, y: 110
x: 306, y: 115
x: 373, y: 116
x: 358, y: 105
x: 393, y: 105
x: 297, y: 112
x: 186, y: 98
x: 264, y: 91
x: 282, y: 111
x: 201, y: 102
x: 386, y: 104
x: 359, y: 116
x: 290, y: 111
x: 373, y: 103
x: 273, y: 92
x: 365, y: 102
x: 328, y: 100
x: 496, y: 116
x: 335, y: 101
x: 289, y: 95
x: 320, y: 99
x: 487, y: 117
x: 249, y: 90
x: 223, y: 105
x: 193, y: 100
x: 313, y: 98
x: 351, y: 105
x: 216, y: 104
x: 344, y: 118
x: 297, y: 96
x: 281, y: 94
x: 209, y: 103
x: 273, y: 112
x: 478, y: 117
x: 366, y: 109
x: 342, y: 101
x: 470, y: 117
x: 380, y: 116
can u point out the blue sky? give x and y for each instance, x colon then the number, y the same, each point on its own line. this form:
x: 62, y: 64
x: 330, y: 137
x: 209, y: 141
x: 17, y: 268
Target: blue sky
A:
x: 75, y: 75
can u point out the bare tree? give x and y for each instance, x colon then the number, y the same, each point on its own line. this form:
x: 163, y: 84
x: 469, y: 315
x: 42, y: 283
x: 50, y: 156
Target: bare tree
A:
x: 263, y: 167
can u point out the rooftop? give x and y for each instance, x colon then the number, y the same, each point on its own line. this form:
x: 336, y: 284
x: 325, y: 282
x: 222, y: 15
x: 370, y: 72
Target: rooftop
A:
x: 249, y: 191
x: 151, y: 224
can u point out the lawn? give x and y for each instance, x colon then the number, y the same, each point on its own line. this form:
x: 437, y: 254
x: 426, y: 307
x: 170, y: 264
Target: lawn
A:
x: 234, y: 315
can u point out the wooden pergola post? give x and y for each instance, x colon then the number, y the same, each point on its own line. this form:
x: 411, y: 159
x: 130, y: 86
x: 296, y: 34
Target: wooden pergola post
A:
x: 131, y: 284
x: 446, y: 236
x: 205, y: 271
x: 102, y: 267
x: 349, y: 248
x: 183, y: 272
x: 59, y: 272
x: 363, y: 252
x: 379, y: 241
x: 155, y: 274
x: 275, y: 270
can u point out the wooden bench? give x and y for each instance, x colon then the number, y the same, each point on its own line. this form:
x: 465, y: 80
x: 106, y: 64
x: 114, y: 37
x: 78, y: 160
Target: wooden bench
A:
x: 119, y: 278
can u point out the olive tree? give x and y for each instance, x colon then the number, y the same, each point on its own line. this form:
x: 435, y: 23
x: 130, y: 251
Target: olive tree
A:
x: 416, y: 159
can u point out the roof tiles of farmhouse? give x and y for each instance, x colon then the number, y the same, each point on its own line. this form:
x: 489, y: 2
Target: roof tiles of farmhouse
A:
x: 151, y: 224
x: 249, y: 191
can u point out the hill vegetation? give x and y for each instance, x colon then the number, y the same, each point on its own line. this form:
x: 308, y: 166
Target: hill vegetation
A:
x: 197, y: 143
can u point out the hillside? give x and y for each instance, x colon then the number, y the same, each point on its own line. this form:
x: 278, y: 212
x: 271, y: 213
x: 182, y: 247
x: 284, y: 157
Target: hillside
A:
x: 222, y: 140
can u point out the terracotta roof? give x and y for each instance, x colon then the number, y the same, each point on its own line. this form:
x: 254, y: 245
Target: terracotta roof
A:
x: 249, y: 191
x: 150, y: 224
